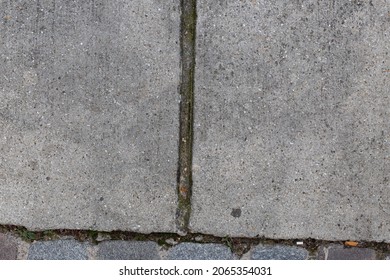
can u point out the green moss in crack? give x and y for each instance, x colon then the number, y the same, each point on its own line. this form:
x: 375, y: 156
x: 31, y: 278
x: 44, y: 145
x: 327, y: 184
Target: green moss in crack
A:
x: 93, y: 235
x: 228, y: 241
x: 26, y: 235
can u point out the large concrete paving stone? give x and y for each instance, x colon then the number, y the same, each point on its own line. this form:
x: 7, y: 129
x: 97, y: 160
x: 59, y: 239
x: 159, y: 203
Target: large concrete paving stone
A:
x: 292, y: 114
x: 89, y: 114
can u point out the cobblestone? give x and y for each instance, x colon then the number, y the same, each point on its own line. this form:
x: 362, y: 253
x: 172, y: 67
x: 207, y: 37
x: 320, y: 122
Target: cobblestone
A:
x: 128, y: 250
x: 8, y: 247
x: 270, y: 252
x: 196, y: 251
x: 338, y: 252
x: 68, y: 249
x: 71, y: 249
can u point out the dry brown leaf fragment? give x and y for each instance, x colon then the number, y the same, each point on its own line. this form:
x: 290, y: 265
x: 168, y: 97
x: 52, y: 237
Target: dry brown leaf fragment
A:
x: 351, y: 243
x: 183, y: 191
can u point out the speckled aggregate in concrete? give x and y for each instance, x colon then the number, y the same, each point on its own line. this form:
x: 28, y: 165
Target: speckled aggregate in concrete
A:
x: 89, y: 109
x: 292, y: 119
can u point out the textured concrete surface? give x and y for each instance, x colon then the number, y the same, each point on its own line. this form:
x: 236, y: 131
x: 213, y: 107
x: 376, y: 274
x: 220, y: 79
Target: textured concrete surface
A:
x: 8, y: 247
x: 291, y: 119
x: 278, y: 252
x: 196, y: 251
x: 335, y: 252
x: 89, y: 114
x: 58, y: 250
x: 128, y: 250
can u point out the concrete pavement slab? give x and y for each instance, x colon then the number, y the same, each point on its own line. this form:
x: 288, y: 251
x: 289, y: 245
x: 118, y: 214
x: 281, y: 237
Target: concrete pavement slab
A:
x: 89, y: 114
x: 292, y: 109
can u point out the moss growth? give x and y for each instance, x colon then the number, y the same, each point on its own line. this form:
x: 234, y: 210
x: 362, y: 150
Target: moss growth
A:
x: 93, y: 235
x: 26, y: 235
x: 227, y: 240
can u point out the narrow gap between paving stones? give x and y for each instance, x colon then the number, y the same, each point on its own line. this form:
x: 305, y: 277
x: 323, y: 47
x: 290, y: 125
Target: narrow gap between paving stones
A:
x: 187, y: 44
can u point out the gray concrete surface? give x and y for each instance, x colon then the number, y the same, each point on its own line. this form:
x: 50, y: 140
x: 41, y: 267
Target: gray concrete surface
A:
x: 89, y: 114
x: 292, y: 117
